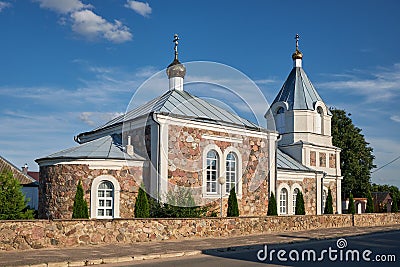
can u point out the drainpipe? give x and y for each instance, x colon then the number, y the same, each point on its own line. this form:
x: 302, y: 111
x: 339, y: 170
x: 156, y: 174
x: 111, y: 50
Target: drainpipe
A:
x: 154, y: 117
x: 276, y: 163
x: 322, y: 192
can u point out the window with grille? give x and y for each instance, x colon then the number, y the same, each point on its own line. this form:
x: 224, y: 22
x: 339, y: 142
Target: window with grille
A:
x: 231, y: 172
x: 283, y: 201
x: 212, y: 172
x: 105, y: 198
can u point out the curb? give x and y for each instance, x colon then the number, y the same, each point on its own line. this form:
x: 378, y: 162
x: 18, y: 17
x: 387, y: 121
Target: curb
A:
x: 115, y: 259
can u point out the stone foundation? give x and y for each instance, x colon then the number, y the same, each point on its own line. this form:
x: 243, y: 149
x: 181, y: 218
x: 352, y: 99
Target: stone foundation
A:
x: 20, y: 235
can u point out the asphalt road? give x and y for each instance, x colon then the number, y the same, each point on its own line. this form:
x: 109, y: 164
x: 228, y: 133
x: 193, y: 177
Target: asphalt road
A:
x: 370, y: 250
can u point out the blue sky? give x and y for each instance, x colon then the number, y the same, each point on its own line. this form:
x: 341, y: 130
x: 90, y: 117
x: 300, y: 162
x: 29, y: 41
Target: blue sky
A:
x: 69, y: 65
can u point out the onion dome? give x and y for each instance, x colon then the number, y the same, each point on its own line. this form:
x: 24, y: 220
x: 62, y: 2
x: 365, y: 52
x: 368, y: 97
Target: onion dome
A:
x: 297, y: 54
x: 176, y: 68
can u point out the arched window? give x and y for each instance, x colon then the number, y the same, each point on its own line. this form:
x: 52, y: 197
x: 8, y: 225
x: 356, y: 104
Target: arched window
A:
x: 319, y: 121
x: 280, y: 120
x: 295, y: 192
x: 105, y: 198
x: 231, y: 172
x: 283, y: 201
x: 212, y: 172
x: 324, y: 195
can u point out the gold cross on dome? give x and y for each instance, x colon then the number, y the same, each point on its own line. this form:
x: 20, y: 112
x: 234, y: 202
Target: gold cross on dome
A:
x: 297, y: 41
x: 176, y: 39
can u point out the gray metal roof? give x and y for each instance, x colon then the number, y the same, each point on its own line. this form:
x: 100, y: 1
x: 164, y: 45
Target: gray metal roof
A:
x: 284, y: 161
x: 184, y: 104
x: 107, y: 147
x: 298, y: 91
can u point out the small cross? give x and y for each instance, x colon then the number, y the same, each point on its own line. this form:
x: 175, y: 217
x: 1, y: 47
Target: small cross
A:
x: 176, y: 39
x: 297, y: 41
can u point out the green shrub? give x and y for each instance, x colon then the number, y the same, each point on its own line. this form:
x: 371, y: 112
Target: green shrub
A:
x: 351, y: 209
x: 272, y: 207
x: 142, y: 207
x: 233, y: 209
x: 370, y: 203
x: 80, y: 209
x: 299, y: 210
x: 329, y: 203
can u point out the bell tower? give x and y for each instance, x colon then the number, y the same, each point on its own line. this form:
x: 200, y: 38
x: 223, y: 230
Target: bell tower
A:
x: 303, y: 121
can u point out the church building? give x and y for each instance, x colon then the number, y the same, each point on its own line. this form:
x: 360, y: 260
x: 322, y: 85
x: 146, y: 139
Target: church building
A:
x: 179, y: 140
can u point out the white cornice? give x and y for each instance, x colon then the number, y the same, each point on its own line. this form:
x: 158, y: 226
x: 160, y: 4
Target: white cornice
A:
x: 215, y: 127
x: 95, y: 164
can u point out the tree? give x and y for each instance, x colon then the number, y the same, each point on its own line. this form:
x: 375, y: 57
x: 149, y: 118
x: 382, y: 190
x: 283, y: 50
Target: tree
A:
x: 395, y: 207
x: 142, y: 208
x: 351, y: 209
x: 356, y: 158
x: 370, y: 203
x: 80, y: 209
x: 329, y: 203
x: 233, y: 209
x: 272, y: 207
x: 13, y: 205
x: 299, y: 210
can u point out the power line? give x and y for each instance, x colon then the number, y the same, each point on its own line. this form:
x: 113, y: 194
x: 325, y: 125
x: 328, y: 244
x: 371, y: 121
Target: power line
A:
x: 386, y: 164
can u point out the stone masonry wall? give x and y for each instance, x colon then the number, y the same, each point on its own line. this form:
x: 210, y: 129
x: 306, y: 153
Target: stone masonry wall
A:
x: 186, y: 146
x: 57, y: 188
x: 19, y: 235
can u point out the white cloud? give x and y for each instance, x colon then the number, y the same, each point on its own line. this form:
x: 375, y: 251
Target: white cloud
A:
x: 90, y: 25
x: 62, y: 6
x: 85, y: 22
x: 381, y: 85
x: 4, y: 5
x: 395, y: 118
x: 141, y: 8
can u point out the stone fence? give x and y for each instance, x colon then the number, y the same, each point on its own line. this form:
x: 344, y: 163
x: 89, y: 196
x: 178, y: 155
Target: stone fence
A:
x: 37, y: 234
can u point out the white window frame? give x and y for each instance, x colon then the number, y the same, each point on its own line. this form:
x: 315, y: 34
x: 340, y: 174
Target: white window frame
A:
x: 94, y: 199
x: 294, y: 199
x: 319, y: 120
x: 220, y: 166
x: 324, y: 196
x: 107, y: 199
x: 212, y: 172
x: 239, y: 171
x: 292, y: 203
x: 230, y: 172
x: 283, y: 201
x: 288, y: 198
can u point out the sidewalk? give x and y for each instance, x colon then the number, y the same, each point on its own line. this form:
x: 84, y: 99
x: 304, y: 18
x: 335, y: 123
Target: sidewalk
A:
x: 81, y: 256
